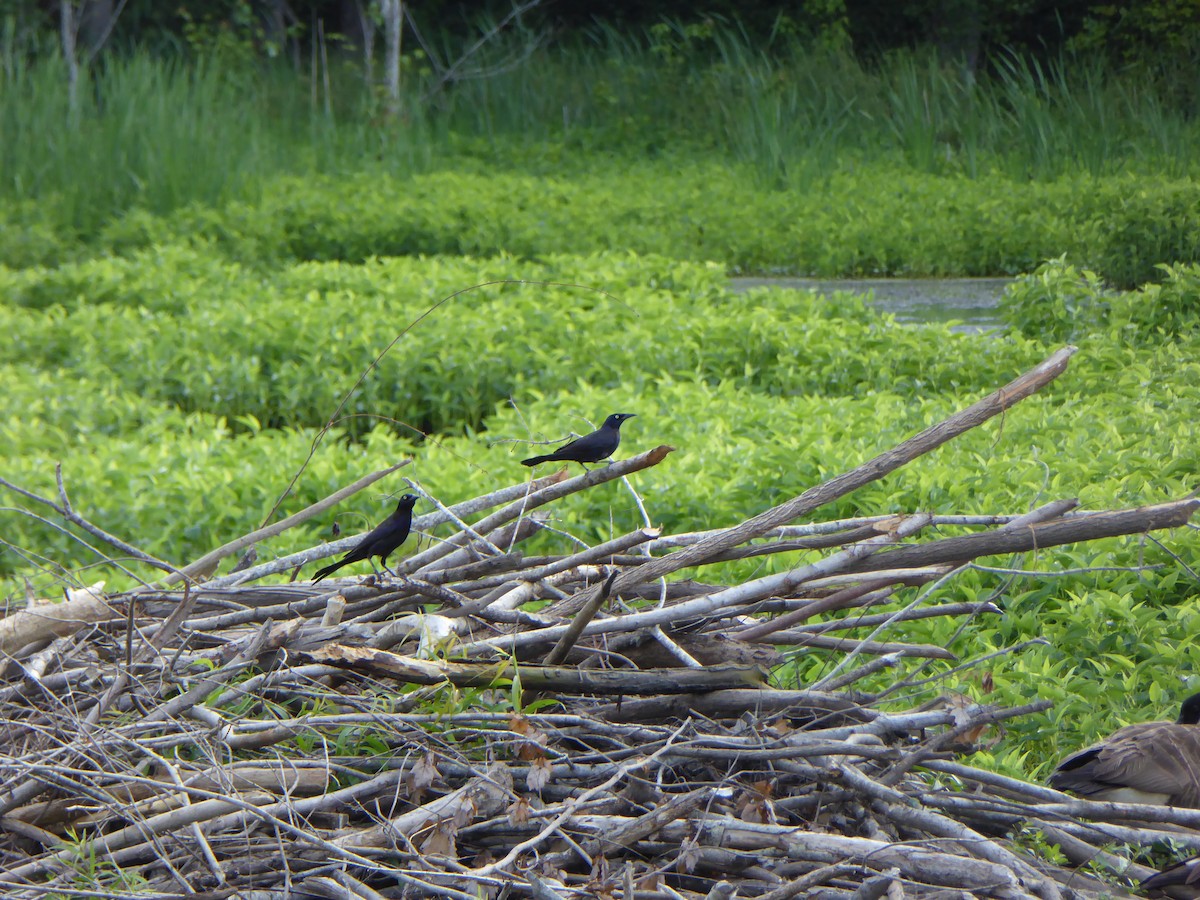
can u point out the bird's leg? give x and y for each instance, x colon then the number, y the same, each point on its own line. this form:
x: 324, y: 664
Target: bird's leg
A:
x: 389, y: 571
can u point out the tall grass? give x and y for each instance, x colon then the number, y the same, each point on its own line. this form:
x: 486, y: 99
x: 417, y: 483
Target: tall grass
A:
x: 159, y: 133
x: 792, y: 119
x: 790, y: 110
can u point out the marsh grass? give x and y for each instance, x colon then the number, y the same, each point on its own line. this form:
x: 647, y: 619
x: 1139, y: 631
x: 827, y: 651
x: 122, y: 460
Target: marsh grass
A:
x: 159, y: 132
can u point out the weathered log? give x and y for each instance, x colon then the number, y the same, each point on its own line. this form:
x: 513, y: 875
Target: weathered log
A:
x: 47, y: 619
x: 931, y: 438
x: 1080, y: 527
x: 561, y: 679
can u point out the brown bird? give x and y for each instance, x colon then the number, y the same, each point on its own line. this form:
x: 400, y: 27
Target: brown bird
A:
x: 1154, y: 762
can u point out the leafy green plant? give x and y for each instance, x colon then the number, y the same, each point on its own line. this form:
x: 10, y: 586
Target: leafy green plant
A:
x: 1147, y: 226
x: 1062, y: 302
x: 1034, y: 841
x: 1056, y: 302
x: 881, y: 219
x: 94, y: 874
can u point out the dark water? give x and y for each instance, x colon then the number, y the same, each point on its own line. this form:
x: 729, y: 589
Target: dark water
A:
x: 971, y: 301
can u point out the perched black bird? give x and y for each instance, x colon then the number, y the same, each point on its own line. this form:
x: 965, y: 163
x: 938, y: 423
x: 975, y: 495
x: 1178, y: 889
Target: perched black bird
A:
x: 600, y: 444
x: 381, y: 541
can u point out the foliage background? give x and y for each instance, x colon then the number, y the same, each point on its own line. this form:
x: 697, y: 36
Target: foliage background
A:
x: 200, y: 255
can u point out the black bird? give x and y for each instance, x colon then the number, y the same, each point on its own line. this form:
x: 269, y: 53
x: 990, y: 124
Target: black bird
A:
x: 381, y: 541
x: 600, y: 444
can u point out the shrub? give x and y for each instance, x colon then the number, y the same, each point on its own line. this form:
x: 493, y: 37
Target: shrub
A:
x: 1164, y: 310
x: 1059, y: 302
x: 875, y: 221
x: 203, y: 334
x: 1056, y: 302
x: 29, y: 236
x: 1145, y: 225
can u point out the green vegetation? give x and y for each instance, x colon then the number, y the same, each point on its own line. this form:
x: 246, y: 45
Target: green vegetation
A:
x: 94, y: 875
x: 698, y: 143
x: 175, y: 396
x: 883, y: 220
x: 198, y: 261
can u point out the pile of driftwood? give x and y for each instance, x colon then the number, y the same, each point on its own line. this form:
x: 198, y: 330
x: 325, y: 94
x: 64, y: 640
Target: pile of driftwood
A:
x: 486, y: 723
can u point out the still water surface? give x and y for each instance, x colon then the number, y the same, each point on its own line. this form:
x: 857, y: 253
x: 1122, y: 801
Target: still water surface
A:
x: 972, y: 301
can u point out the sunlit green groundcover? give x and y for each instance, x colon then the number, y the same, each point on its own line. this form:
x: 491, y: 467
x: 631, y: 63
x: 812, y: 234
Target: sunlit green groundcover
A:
x: 197, y: 271
x: 181, y: 389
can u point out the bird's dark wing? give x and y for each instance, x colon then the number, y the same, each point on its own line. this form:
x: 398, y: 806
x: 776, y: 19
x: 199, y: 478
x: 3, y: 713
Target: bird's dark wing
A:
x: 569, y: 452
x: 391, y: 538
x: 581, y: 448
x: 379, y: 541
x: 592, y: 447
x: 599, y: 444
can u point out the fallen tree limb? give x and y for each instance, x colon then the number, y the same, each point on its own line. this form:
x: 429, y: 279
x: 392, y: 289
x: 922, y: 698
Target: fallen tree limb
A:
x: 1083, y: 527
x: 567, y: 680
x: 929, y: 439
x: 254, y: 737
x: 46, y: 619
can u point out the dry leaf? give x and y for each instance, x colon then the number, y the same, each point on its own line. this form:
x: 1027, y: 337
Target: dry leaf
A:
x: 959, y: 706
x: 600, y: 883
x: 528, y: 752
x: 465, y: 813
x: 423, y: 774
x: 518, y: 811
x: 689, y: 856
x: 539, y: 775
x: 781, y: 727
x: 440, y: 842
x: 754, y: 804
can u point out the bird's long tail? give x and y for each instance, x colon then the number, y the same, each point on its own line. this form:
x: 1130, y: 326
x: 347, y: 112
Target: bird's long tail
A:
x: 534, y: 460
x: 328, y: 570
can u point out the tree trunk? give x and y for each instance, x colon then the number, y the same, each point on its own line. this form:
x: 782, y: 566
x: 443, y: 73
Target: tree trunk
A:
x: 393, y: 22
x: 96, y: 19
x: 68, y: 29
x: 366, y: 29
x: 275, y: 24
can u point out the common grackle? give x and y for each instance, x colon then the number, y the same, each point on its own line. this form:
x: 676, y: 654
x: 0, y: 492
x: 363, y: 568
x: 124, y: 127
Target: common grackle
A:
x: 381, y: 541
x: 600, y: 444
